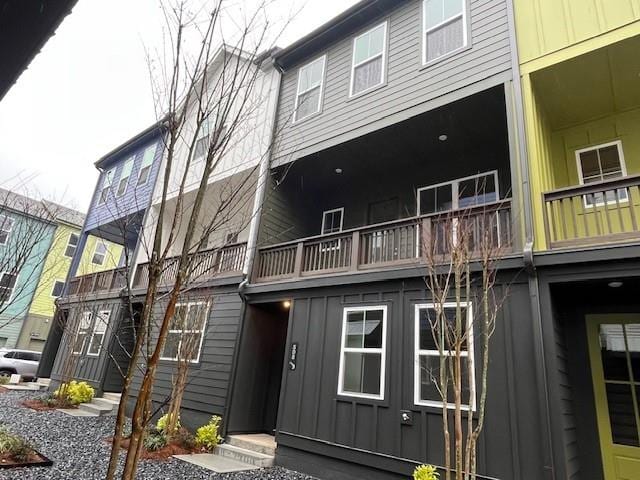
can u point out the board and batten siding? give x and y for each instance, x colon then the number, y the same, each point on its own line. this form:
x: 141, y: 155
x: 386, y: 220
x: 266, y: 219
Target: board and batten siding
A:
x: 209, y: 379
x: 410, y: 87
x: 312, y: 416
x: 136, y: 198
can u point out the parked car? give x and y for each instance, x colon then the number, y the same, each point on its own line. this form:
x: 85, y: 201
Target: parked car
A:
x: 22, y: 362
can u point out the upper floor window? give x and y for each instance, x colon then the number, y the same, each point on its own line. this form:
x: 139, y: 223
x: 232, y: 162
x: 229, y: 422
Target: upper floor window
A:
x: 429, y: 326
x: 202, y: 144
x: 6, y: 225
x: 444, y: 28
x: 7, y: 286
x: 58, y: 288
x: 106, y: 186
x: 332, y: 221
x: 145, y: 165
x: 124, y: 177
x: 599, y: 163
x: 460, y: 193
x: 309, y: 94
x: 362, y: 355
x: 72, y: 245
x: 98, y: 332
x: 184, y: 340
x: 369, y: 51
x: 99, y: 253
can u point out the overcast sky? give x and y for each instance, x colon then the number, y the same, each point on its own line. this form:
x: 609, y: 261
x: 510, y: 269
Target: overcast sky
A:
x: 88, y: 91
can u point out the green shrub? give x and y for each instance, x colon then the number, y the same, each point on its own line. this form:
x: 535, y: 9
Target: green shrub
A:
x: 4, y: 380
x: 163, y: 421
x: 75, y: 392
x: 154, y: 440
x: 183, y: 438
x: 425, y: 472
x: 14, y: 446
x: 207, y: 436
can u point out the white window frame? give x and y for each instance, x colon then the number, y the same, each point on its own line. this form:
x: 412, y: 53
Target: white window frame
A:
x: 381, y: 351
x: 95, y: 250
x: 435, y: 353
x: 202, y: 331
x: 623, y: 169
x: 57, y: 280
x: 85, y: 315
x: 146, y: 162
x: 17, y: 275
x: 106, y: 318
x: 425, y: 31
x: 321, y: 87
x: 334, y: 210
x: 107, y: 183
x: 454, y: 190
x: 383, y: 55
x: 75, y: 247
x: 129, y: 162
x: 11, y: 221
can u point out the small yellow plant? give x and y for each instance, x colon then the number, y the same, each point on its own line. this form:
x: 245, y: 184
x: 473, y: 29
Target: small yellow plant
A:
x: 163, y: 421
x: 207, y: 436
x: 425, y: 472
x: 75, y: 392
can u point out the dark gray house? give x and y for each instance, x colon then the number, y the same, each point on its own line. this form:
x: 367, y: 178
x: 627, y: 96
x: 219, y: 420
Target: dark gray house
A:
x: 388, y: 114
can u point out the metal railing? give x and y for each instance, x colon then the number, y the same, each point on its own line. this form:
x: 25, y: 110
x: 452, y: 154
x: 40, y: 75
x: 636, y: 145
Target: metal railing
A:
x: 384, y: 245
x: 595, y: 213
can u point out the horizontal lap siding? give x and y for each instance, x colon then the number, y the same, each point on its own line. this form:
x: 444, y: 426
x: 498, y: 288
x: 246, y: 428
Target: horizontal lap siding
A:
x: 208, y: 381
x: 408, y: 83
x: 311, y: 407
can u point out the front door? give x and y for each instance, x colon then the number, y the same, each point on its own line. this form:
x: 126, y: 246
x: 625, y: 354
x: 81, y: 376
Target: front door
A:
x: 614, y: 349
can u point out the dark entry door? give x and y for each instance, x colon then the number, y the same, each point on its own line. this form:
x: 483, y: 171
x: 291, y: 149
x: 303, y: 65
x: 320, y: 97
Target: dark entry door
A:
x: 614, y: 349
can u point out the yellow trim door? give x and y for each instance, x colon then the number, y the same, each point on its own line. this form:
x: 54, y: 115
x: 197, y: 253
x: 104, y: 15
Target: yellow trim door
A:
x: 614, y: 349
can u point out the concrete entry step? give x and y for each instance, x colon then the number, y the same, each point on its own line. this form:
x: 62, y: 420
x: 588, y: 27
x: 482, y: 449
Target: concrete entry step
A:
x: 96, y: 408
x: 112, y: 396
x: 258, y: 442
x: 216, y: 463
x: 245, y: 456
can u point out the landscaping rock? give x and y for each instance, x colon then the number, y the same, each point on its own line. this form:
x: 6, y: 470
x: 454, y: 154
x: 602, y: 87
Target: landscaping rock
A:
x: 78, y: 449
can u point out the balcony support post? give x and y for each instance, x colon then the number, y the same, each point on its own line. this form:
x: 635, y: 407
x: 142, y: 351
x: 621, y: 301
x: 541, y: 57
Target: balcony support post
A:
x: 355, y: 251
x: 297, y: 266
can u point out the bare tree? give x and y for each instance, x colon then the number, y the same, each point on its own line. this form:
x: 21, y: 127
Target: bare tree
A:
x: 462, y: 250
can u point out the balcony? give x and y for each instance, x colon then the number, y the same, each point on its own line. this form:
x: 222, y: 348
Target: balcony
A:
x: 206, y: 265
x: 383, y: 246
x: 107, y: 281
x: 596, y: 213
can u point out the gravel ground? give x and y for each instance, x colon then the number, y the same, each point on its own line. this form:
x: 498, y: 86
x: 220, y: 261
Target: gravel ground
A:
x: 77, y: 448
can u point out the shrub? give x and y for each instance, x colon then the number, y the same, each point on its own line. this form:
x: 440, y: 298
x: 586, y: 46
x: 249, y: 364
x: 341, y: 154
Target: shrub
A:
x: 14, y: 446
x: 207, y: 436
x: 425, y: 472
x: 163, y: 421
x: 184, y: 438
x: 4, y: 380
x: 154, y: 440
x: 75, y: 392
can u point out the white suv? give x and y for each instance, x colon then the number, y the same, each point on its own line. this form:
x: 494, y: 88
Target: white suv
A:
x: 22, y: 362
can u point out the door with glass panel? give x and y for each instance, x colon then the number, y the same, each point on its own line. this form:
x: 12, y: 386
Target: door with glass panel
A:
x: 614, y: 349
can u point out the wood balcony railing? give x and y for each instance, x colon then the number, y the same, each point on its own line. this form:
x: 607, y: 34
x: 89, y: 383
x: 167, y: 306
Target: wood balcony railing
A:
x: 596, y: 213
x: 108, y: 280
x: 385, y: 245
x: 206, y: 265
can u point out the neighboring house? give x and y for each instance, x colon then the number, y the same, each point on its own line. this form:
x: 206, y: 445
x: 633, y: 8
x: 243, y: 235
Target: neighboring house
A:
x: 37, y: 323
x: 579, y: 65
x: 105, y: 248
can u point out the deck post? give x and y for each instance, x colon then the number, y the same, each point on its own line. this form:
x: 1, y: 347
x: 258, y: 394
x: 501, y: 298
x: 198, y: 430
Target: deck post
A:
x: 297, y: 266
x: 355, y: 251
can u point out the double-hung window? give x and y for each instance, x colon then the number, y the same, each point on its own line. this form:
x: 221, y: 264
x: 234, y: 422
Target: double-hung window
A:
x: 7, y: 286
x: 444, y: 28
x: 369, y: 52
x: 6, y: 225
x: 106, y: 185
x: 58, y: 288
x: 310, y: 84
x: 99, y: 253
x: 430, y: 342
x: 84, y: 324
x: 362, y: 353
x: 145, y: 165
x: 332, y: 221
x: 72, y: 245
x: 98, y: 332
x: 597, y: 164
x: 186, y: 331
x: 124, y: 177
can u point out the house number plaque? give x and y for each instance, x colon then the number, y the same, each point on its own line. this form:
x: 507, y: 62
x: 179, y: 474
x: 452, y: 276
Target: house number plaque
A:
x: 293, y: 356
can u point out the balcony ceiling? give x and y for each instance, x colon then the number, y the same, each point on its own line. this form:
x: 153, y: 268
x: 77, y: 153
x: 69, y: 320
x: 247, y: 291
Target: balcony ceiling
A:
x: 591, y: 86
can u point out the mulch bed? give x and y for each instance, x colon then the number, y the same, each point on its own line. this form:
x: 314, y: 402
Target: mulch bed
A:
x: 35, y: 460
x: 164, y: 453
x: 39, y: 405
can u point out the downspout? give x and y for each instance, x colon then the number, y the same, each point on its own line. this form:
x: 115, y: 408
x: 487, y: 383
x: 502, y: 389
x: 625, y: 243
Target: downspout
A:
x: 528, y: 255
